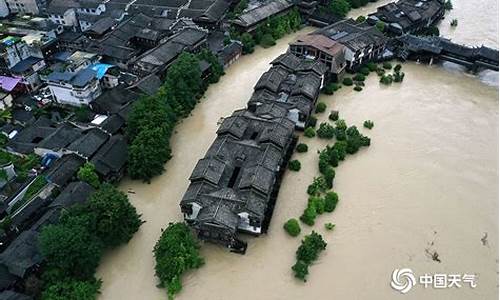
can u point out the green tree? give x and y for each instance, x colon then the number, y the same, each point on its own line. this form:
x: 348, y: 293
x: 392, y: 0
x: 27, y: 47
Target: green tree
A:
x: 87, y: 173
x: 292, y: 227
x: 5, y: 115
x: 309, y: 215
x: 71, y: 247
x: 70, y: 289
x: 325, y: 131
x: 331, y: 200
x: 301, y: 148
x: 267, y: 41
x: 380, y: 25
x: 317, y: 187
x: 339, y: 8
x: 248, y: 43
x: 320, y: 107
x: 347, y: 81
x: 368, y: 124
x: 309, y: 132
x: 149, y: 112
x: 183, y: 83
x: 360, y: 19
x: 216, y: 69
x: 301, y: 270
x: 148, y: 154
x: 116, y: 219
x: 176, y: 252
x: 294, y: 165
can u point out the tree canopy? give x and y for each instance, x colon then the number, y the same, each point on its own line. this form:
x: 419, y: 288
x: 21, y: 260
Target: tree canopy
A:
x: 175, y: 252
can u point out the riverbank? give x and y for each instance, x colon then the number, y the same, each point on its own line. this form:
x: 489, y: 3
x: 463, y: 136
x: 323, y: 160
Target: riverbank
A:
x: 429, y: 177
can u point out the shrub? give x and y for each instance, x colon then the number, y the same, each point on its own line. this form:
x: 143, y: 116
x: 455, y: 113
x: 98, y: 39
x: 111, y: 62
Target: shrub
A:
x: 330, y: 88
x: 72, y: 289
x: 301, y: 270
x: 380, y: 71
x: 334, y: 115
x: 320, y: 107
x: 340, y: 148
x: 386, y: 79
x: 398, y: 77
x: 397, y: 68
x: 329, y: 226
x: 340, y: 134
x: 301, y: 148
x: 364, y: 71
x: 325, y: 131
x: 310, y: 248
x: 341, y: 124
x: 309, y: 215
x: 312, y: 121
x: 359, y: 77
x: 292, y: 227
x: 317, y: 187
x: 307, y: 253
x: 454, y: 23
x: 331, y: 200
x: 318, y: 203
x: 372, y: 66
x: 347, y: 81
x: 380, y: 26
x: 387, y: 65
x: 267, y: 40
x: 448, y: 5
x: 248, y: 43
x: 368, y: 124
x: 360, y: 19
x: 330, y: 156
x: 294, y: 165
x: 358, y: 88
x: 329, y: 175
x: 87, y: 173
x: 309, y: 132
x: 176, y: 252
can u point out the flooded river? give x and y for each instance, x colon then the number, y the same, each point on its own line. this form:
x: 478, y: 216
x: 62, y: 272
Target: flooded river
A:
x: 428, y: 183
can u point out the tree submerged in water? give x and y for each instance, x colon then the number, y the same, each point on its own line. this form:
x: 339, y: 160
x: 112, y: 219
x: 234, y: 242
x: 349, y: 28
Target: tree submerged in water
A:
x: 176, y: 252
x: 312, y: 245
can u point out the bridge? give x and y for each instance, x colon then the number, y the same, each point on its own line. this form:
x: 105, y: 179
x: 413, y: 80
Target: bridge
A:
x: 474, y: 58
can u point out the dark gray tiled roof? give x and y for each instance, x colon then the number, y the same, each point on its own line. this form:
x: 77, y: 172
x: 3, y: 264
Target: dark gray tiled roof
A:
x: 89, y: 142
x: 62, y: 170
x: 63, y: 136
x: 75, y: 193
x: 22, y: 254
x: 111, y: 157
x: 256, y: 15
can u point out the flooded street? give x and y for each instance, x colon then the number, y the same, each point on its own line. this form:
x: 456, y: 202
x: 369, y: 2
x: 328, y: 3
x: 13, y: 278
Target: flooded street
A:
x: 429, y: 182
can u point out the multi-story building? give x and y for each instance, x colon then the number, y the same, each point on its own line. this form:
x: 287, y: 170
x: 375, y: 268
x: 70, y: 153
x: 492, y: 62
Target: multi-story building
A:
x: 362, y: 43
x: 324, y: 50
x: 76, y: 89
x: 408, y: 16
x: 32, y: 7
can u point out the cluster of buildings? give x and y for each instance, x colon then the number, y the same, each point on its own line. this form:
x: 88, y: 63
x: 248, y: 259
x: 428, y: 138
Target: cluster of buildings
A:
x: 69, y: 74
x: 234, y: 187
x: 408, y: 16
x: 343, y: 45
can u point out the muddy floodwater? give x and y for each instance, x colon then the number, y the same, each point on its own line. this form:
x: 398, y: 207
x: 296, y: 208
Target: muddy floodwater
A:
x: 428, y: 183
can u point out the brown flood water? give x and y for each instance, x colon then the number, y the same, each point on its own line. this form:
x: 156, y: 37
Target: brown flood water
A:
x: 429, y: 181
